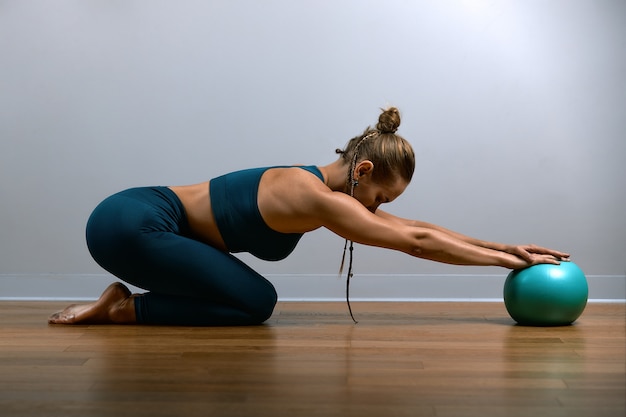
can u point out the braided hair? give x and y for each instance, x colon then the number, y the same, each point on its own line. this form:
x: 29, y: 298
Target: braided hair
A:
x: 391, y: 155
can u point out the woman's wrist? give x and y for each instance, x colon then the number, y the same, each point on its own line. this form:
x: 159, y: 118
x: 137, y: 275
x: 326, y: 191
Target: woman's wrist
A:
x: 510, y: 261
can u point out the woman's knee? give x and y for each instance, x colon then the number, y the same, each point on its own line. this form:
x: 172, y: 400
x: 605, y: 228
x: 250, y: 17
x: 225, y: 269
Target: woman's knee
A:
x: 264, y: 304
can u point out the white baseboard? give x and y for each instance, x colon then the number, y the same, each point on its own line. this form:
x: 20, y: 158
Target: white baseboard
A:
x: 309, y: 287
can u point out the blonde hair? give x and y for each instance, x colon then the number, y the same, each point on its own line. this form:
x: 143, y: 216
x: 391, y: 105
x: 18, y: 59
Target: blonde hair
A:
x: 391, y: 154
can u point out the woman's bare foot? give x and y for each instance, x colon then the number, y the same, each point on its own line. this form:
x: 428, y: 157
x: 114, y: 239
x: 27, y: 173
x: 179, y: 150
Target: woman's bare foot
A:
x: 115, y: 305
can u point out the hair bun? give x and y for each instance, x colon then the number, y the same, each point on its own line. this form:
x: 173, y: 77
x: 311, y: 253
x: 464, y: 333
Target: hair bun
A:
x: 389, y: 120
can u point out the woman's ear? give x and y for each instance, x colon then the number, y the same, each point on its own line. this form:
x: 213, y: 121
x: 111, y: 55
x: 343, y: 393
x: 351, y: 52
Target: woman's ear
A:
x: 363, y: 168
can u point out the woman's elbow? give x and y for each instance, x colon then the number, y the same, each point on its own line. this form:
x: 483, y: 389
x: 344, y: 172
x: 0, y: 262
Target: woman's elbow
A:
x: 422, y: 242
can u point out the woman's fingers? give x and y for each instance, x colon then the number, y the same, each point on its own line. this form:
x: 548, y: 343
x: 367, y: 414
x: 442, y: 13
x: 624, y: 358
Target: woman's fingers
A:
x: 546, y: 251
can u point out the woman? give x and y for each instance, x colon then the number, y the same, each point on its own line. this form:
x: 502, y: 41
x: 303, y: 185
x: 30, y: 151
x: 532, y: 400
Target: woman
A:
x: 175, y: 241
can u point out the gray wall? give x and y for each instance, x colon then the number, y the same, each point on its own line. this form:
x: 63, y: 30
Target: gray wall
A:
x: 516, y: 110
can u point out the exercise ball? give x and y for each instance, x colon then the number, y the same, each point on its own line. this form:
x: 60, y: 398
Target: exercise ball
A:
x: 546, y: 294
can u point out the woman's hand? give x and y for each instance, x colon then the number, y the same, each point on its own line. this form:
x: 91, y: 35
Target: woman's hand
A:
x: 532, y: 255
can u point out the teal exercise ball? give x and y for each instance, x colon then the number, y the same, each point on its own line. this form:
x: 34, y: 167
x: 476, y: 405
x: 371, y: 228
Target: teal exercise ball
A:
x: 546, y: 294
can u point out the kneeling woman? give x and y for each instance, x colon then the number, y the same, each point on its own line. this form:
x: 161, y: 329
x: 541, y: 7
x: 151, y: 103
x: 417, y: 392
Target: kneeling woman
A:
x: 176, y: 242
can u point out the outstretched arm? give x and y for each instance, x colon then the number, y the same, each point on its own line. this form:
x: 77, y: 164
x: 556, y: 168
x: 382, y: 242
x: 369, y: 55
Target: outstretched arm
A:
x: 350, y: 219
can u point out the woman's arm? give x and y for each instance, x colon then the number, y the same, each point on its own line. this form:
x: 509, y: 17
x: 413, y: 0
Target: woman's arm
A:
x: 351, y: 220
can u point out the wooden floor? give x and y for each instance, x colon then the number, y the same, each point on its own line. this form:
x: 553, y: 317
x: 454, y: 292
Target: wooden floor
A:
x: 402, y: 359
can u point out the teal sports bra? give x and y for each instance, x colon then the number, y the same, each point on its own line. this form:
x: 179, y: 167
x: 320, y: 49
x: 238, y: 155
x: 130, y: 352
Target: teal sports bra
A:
x: 234, y: 204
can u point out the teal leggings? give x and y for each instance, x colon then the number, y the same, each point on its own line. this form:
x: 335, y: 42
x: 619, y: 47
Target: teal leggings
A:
x: 141, y: 236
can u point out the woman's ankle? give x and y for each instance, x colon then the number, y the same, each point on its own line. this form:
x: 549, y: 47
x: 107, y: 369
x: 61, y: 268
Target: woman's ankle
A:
x: 124, y: 311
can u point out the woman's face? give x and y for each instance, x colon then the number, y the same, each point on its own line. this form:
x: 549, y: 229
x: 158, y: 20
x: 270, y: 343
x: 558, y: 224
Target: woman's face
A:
x: 372, y: 194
